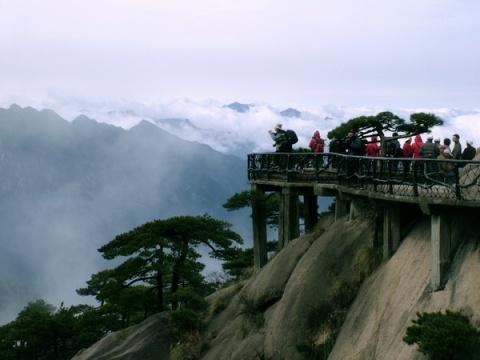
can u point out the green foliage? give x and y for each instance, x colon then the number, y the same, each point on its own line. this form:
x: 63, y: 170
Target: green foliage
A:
x: 444, y: 336
x: 252, y: 313
x: 238, y: 262
x: 342, y: 294
x: 161, y: 255
x: 378, y: 125
x: 188, y: 298
x: 245, y: 198
x: 184, y: 321
x: 366, y: 260
x: 42, y: 332
x: 190, y: 348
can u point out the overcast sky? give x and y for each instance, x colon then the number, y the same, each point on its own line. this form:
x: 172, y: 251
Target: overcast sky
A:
x: 299, y: 53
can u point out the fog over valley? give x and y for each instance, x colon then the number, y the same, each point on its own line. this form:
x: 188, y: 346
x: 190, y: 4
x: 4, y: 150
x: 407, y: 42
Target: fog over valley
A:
x: 69, y: 187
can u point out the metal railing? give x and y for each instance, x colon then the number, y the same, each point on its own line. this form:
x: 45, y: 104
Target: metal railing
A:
x: 430, y: 178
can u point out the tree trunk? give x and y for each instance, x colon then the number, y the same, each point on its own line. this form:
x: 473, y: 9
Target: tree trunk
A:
x: 176, y: 271
x: 159, y: 291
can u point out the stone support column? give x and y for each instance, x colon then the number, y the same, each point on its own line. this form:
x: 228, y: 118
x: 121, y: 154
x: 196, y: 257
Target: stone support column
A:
x: 289, y: 220
x: 441, y: 249
x: 259, y: 221
x: 310, y: 208
x: 391, y: 231
x: 342, y: 208
x: 354, y: 210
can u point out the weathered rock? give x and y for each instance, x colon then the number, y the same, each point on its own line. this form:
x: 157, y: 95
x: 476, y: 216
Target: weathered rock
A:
x: 390, y: 299
x: 329, y: 258
x: 149, y: 340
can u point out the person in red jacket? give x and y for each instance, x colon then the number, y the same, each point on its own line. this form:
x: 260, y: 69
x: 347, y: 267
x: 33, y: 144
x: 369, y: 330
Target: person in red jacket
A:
x: 417, y: 145
x: 408, y: 149
x: 317, y: 143
x: 372, y: 149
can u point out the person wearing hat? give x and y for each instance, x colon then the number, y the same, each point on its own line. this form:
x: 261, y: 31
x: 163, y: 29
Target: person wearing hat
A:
x: 279, y: 136
x: 469, y: 152
x: 429, y: 150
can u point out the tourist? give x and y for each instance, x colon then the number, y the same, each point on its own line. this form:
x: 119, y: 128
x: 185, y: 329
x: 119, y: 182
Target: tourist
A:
x: 457, y: 148
x: 408, y: 154
x: 393, y: 147
x: 417, y: 146
x: 469, y: 152
x: 355, y: 145
x: 317, y: 144
x: 428, y: 149
x: 372, y: 149
x: 436, y: 142
x: 281, y: 142
x: 408, y: 149
x: 446, y: 168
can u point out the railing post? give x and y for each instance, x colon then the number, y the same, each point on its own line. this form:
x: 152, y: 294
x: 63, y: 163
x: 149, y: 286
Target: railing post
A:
x: 458, y: 194
x: 415, y: 177
x: 390, y: 185
x: 288, y: 167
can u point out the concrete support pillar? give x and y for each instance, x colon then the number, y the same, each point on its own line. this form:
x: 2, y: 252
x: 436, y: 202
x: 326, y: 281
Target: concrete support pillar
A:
x: 391, y: 231
x: 341, y: 208
x: 354, y: 210
x: 288, y: 227
x: 441, y: 249
x: 310, y: 208
x: 259, y: 220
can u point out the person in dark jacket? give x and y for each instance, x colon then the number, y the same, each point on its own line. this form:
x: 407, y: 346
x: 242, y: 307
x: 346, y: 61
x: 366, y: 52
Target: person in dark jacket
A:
x: 457, y: 148
x: 429, y: 150
x: 355, y: 145
x: 469, y: 152
x: 436, y: 142
x: 279, y: 136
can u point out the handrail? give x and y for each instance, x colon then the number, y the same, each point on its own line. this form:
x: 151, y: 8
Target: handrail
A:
x: 419, y: 177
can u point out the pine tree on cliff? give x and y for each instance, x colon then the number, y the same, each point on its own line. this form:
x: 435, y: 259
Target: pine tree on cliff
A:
x: 164, y: 254
x: 382, y: 123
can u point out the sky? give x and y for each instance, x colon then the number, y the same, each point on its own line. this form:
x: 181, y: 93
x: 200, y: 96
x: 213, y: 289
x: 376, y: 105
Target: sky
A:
x: 396, y: 53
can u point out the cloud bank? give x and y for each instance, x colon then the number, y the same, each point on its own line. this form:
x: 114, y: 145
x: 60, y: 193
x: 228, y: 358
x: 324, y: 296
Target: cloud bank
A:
x: 232, y: 132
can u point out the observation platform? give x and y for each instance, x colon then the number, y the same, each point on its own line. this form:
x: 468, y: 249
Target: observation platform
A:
x: 399, y: 189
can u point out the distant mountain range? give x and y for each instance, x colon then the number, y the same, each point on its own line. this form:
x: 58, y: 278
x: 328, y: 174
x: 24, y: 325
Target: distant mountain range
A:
x: 238, y: 107
x: 68, y: 187
x: 244, y: 108
x: 291, y: 113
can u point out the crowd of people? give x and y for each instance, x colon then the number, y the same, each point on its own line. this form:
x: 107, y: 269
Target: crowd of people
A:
x: 354, y: 145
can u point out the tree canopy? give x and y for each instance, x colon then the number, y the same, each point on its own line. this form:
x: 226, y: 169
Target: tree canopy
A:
x: 386, y: 122
x: 162, y: 255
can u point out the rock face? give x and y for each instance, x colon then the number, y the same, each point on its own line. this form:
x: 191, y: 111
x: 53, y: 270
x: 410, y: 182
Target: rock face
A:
x: 148, y: 340
x: 269, y: 318
x: 390, y: 298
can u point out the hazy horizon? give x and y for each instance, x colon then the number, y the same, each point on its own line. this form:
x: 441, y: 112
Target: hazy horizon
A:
x: 347, y: 53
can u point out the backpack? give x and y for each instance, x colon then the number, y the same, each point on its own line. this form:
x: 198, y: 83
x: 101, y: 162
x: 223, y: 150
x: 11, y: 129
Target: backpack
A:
x: 392, y: 148
x: 291, y: 137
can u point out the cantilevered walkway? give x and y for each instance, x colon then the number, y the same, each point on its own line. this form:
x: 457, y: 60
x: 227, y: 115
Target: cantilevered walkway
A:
x: 398, y: 189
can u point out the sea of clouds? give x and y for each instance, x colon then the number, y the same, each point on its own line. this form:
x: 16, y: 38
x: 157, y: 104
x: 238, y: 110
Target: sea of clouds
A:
x: 229, y: 131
